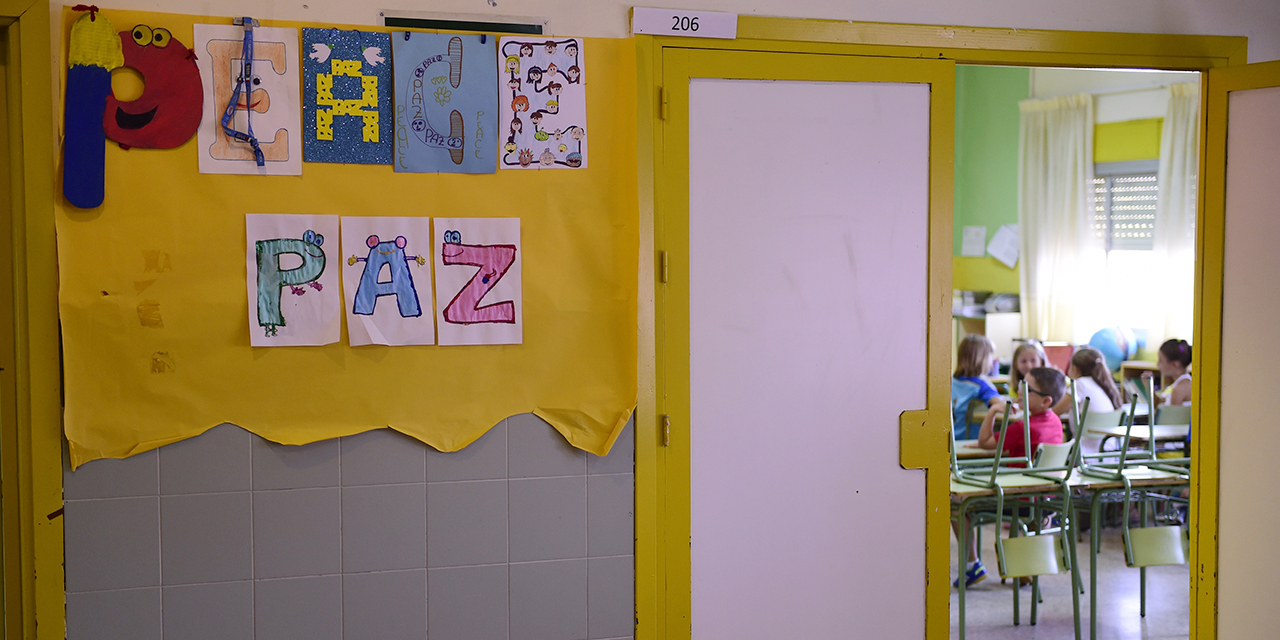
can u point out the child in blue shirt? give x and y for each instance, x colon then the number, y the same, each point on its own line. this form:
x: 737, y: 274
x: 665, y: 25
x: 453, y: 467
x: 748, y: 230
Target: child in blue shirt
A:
x: 974, y: 359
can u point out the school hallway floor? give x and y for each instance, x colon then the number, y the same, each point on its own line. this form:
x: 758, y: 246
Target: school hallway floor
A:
x: 989, y: 610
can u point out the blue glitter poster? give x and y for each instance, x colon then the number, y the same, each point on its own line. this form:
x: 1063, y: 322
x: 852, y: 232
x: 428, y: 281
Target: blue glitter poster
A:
x: 346, y: 97
x: 446, y: 103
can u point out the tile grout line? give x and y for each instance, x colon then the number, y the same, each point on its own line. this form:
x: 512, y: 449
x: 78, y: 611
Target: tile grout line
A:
x: 342, y: 556
x: 253, y: 550
x: 160, y: 540
x: 506, y: 444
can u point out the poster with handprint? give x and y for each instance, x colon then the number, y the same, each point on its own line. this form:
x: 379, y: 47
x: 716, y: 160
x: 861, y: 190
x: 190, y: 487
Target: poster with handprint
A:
x: 346, y: 96
x: 544, y: 103
x: 446, y: 94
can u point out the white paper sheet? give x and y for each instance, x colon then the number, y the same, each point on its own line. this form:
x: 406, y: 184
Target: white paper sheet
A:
x: 974, y: 242
x: 274, y: 100
x: 1004, y: 245
x: 478, y: 284
x: 543, y: 101
x: 386, y: 280
x: 292, y: 280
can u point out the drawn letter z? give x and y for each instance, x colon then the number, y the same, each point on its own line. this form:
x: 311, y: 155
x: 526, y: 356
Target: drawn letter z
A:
x: 493, y: 260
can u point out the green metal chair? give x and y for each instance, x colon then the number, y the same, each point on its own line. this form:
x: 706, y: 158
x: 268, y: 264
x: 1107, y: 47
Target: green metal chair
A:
x: 1146, y: 546
x: 1036, y: 552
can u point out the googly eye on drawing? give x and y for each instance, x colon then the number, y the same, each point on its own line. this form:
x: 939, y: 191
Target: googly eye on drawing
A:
x: 142, y: 35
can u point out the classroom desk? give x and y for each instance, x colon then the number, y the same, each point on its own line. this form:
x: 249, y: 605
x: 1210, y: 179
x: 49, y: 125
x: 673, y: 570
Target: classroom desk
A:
x: 1142, y: 432
x: 1140, y: 414
x: 1139, y: 478
x: 967, y: 497
x: 969, y: 450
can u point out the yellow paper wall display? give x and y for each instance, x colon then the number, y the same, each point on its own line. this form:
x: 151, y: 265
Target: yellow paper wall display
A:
x: 153, y: 301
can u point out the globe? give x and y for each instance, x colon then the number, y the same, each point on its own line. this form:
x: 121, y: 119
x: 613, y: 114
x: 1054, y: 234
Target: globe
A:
x: 1117, y: 344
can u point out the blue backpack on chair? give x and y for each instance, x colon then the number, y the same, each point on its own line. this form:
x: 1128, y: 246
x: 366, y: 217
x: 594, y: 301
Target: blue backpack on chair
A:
x: 962, y: 393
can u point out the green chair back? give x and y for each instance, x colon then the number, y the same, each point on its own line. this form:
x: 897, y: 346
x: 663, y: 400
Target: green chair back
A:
x: 1173, y: 414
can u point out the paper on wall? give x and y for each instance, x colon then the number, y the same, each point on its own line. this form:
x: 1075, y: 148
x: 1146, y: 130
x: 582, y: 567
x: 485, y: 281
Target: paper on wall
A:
x: 346, y: 99
x: 543, y: 99
x: 1004, y: 245
x: 292, y: 280
x: 974, y: 242
x: 479, y: 296
x: 446, y: 103
x: 272, y: 99
x: 386, y: 280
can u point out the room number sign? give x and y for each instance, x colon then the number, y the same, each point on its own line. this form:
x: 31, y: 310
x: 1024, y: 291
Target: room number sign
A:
x: 678, y: 22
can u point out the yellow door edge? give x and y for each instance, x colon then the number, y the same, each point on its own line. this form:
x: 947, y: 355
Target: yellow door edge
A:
x: 1207, y: 383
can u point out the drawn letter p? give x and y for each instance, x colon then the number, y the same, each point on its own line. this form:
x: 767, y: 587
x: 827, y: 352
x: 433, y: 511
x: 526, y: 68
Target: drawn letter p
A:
x: 272, y: 279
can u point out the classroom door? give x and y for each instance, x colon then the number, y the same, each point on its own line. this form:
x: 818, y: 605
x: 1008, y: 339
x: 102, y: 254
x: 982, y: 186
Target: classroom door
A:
x: 1242, y: 184
x: 795, y: 212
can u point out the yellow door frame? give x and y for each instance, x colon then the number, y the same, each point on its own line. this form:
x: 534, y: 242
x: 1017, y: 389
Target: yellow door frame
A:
x: 30, y: 383
x: 662, y: 599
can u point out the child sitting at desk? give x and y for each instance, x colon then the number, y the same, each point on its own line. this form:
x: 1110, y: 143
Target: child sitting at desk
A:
x: 1173, y: 361
x: 1045, y: 387
x: 974, y: 358
x: 1029, y: 355
x: 1093, y: 381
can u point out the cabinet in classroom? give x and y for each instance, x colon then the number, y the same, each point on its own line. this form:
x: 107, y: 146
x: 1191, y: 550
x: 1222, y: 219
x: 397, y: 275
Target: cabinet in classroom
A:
x: 1002, y: 328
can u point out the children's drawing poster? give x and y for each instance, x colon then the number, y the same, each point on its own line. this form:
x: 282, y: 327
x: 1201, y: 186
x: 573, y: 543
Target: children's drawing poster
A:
x: 544, y: 99
x: 346, y: 96
x: 267, y: 106
x: 292, y: 278
x: 386, y: 280
x: 446, y: 99
x: 478, y: 282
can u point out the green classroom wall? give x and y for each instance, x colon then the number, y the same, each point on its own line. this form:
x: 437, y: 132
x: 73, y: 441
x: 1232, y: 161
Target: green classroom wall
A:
x: 986, y: 188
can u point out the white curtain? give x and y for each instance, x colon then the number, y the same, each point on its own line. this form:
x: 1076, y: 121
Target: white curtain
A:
x: 1061, y: 254
x: 1175, y: 230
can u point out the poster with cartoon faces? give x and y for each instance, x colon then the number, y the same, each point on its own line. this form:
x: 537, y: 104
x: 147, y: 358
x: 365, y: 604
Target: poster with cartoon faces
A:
x: 542, y: 83
x: 479, y: 293
x: 268, y: 104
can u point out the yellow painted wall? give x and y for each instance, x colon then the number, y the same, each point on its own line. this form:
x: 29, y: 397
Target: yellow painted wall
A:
x: 1128, y: 140
x: 983, y: 274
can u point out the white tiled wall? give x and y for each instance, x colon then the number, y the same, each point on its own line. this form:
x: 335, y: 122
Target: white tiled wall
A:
x: 374, y: 536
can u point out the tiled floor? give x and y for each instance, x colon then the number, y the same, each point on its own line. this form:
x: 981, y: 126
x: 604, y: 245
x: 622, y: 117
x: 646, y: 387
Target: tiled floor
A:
x: 989, y: 610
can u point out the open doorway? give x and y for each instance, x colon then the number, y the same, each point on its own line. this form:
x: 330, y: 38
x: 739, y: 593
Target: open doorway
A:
x: 1120, y: 147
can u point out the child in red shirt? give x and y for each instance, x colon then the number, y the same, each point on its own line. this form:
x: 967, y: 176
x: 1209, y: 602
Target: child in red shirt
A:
x: 1045, y: 387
